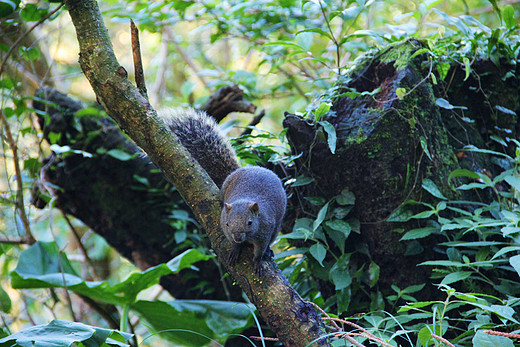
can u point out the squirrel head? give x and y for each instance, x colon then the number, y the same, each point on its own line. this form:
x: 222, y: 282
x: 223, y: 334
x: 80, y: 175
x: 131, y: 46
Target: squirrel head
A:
x: 240, y: 220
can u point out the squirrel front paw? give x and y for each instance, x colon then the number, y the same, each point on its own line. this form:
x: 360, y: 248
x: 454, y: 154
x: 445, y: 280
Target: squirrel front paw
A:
x: 234, y: 254
x: 258, y: 268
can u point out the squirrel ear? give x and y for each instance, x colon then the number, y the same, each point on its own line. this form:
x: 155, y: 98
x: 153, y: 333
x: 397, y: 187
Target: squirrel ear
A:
x: 253, y: 207
x: 228, y: 207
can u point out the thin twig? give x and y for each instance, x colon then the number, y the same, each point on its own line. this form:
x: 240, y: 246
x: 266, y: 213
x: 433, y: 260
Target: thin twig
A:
x: 499, y: 333
x: 325, y: 314
x: 258, y: 338
x: 443, y: 340
x: 295, y: 84
x: 138, y: 62
x: 369, y: 334
x: 18, y: 172
x: 80, y: 245
x: 17, y: 42
x: 14, y: 242
x: 371, y: 337
x: 338, y: 53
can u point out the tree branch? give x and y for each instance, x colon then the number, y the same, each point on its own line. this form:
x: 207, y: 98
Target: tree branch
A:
x: 294, y: 321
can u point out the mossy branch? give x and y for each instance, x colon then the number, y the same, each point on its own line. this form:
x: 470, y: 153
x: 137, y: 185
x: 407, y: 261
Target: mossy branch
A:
x: 294, y: 321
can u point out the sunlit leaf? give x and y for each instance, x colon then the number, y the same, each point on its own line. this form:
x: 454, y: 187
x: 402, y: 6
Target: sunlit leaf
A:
x: 59, y: 333
x: 196, y: 322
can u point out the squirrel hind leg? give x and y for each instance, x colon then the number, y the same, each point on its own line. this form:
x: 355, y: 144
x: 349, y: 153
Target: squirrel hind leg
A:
x: 258, y: 253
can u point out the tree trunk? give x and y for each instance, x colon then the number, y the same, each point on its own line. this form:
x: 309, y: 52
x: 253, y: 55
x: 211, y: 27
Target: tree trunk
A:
x: 389, y: 143
x: 293, y: 320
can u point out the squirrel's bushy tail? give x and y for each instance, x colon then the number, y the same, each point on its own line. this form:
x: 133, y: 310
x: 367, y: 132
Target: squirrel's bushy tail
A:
x: 202, y: 137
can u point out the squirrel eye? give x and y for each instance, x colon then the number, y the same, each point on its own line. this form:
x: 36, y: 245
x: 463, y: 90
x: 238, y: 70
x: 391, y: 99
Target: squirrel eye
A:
x: 249, y: 222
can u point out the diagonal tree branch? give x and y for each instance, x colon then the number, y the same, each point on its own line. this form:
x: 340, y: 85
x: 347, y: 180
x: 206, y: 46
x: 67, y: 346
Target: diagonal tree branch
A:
x: 294, y: 321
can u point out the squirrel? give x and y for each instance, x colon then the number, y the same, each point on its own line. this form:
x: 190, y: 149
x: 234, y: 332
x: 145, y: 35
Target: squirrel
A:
x: 253, y: 198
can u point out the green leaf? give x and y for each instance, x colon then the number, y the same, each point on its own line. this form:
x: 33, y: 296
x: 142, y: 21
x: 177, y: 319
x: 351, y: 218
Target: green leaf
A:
x: 481, y: 339
x: 504, y: 312
x: 456, y: 276
x: 30, y: 54
x: 346, y: 197
x: 339, y: 225
x: 304, y: 39
x: 443, y: 263
x: 301, y: 181
x: 319, y: 31
x: 431, y: 188
x: 31, y: 13
x: 509, y: 16
x: 515, y: 263
x: 425, y: 334
x: 321, y: 216
x: 373, y: 273
x: 331, y: 135
x: 467, y: 67
x: 443, y: 69
x: 401, y: 214
x: 5, y: 301
x: 196, y: 322
x: 339, y: 273
x: 318, y: 252
x: 322, y: 110
x: 66, y: 149
x: 60, y: 333
x: 424, y: 146
x: 285, y: 44
x: 443, y: 103
x: 400, y: 93
x: 506, y: 110
x: 43, y: 266
x: 418, y: 233
x: 513, y: 181
x: 120, y: 154
x: 463, y: 173
x: 7, y: 7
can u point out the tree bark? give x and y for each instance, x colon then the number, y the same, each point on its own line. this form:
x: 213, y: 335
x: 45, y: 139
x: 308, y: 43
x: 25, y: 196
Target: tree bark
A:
x: 293, y: 320
x: 387, y: 146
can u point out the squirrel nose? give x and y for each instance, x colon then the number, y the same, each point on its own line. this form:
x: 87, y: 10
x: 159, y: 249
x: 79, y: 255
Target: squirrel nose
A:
x: 239, y: 237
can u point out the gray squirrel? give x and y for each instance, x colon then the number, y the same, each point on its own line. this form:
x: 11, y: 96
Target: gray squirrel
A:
x: 253, y: 198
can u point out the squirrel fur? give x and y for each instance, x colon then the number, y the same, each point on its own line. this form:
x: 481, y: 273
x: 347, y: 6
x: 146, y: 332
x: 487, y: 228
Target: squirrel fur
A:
x: 253, y: 198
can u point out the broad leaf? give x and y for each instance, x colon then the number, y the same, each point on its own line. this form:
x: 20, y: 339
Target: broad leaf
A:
x: 481, y: 339
x: 43, y: 266
x: 431, y: 188
x: 59, y: 333
x: 196, y: 322
x: 320, y: 217
x: 318, y: 252
x: 331, y: 135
